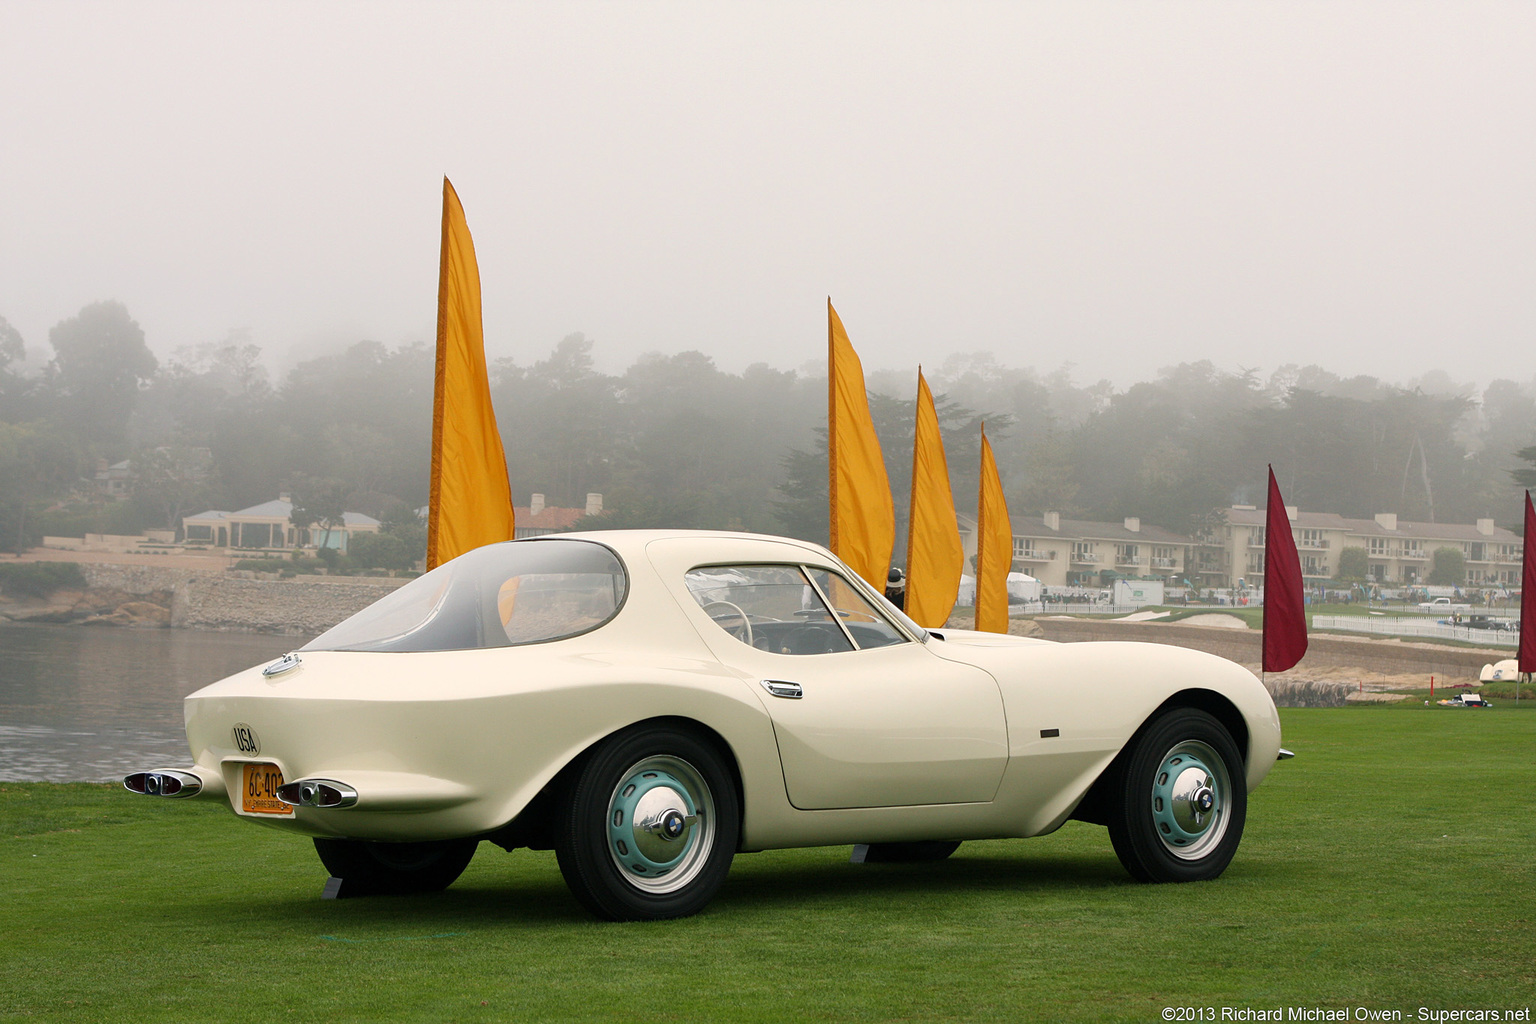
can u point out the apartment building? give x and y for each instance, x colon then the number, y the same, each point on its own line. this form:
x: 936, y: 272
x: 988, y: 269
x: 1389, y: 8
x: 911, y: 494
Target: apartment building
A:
x: 1397, y: 551
x: 1074, y: 552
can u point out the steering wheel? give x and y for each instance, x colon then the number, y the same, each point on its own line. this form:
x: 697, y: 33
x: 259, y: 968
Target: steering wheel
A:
x: 813, y: 640
x: 746, y: 623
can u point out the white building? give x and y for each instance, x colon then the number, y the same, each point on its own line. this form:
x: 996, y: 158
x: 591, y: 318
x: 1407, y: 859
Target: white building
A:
x: 269, y: 526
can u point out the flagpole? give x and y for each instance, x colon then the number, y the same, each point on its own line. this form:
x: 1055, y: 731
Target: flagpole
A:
x: 832, y: 452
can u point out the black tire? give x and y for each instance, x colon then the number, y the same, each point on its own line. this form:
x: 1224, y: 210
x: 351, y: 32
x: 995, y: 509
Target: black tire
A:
x: 1179, y: 800
x: 649, y: 825
x: 395, y: 868
x: 925, y: 851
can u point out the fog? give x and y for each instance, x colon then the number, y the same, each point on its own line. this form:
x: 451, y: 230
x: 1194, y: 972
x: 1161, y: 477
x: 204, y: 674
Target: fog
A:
x: 1122, y: 187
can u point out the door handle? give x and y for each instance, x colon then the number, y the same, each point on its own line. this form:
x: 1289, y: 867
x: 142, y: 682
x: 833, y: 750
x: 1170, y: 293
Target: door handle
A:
x: 782, y: 688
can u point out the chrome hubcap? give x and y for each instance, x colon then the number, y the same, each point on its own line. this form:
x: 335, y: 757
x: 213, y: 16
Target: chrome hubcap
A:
x: 661, y: 824
x: 1187, y: 799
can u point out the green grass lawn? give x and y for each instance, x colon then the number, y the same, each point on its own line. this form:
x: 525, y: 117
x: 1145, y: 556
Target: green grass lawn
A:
x: 1389, y: 866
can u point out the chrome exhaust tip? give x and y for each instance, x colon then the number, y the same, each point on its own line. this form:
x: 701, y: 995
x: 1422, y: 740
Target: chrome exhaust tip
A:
x: 174, y: 785
x: 326, y: 793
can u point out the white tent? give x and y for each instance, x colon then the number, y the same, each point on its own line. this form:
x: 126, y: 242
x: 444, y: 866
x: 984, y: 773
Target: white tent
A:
x: 1021, y: 588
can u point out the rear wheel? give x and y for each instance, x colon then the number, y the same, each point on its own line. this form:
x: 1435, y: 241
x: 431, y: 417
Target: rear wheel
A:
x: 650, y: 826
x: 392, y: 868
x: 1179, y: 802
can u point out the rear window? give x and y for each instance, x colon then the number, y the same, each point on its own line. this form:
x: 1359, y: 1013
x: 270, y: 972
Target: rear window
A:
x: 519, y: 592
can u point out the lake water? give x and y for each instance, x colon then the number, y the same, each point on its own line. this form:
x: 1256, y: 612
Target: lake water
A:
x: 86, y: 703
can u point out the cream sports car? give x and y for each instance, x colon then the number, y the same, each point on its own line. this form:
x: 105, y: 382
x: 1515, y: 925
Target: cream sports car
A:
x: 648, y: 704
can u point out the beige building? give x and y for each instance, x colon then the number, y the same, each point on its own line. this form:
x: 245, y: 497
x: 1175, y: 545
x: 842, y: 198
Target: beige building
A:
x: 1074, y: 552
x: 1397, y: 551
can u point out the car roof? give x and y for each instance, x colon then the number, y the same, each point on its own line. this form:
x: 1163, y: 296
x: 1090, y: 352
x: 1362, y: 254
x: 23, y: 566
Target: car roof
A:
x: 752, y: 544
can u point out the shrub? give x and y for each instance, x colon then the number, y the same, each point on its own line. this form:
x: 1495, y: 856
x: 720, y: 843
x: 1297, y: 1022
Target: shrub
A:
x: 39, y: 579
x: 263, y: 564
x: 1449, y: 567
x: 380, y: 551
x: 1354, y: 564
x: 18, y: 527
x: 77, y: 520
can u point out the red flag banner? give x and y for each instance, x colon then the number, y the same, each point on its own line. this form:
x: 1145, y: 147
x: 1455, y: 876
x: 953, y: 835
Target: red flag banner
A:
x: 1285, y: 617
x: 1527, y: 655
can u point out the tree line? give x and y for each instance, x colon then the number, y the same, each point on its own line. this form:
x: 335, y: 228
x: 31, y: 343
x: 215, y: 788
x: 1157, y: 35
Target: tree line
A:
x: 675, y: 441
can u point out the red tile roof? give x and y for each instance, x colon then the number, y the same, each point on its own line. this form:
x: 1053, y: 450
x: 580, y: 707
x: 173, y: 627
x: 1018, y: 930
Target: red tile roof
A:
x: 549, y: 518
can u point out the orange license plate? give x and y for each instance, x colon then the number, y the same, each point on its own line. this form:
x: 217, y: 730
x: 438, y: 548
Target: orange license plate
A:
x: 258, y: 790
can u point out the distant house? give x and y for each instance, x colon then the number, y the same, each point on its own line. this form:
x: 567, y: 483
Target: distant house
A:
x: 537, y: 519
x: 115, y: 480
x: 269, y: 526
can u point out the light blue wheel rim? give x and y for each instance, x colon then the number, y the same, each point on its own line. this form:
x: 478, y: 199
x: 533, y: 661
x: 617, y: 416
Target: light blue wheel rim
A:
x: 661, y: 824
x: 1190, y: 792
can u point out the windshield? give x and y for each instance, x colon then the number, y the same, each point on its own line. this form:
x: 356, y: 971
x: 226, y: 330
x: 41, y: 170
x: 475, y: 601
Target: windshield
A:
x: 518, y: 592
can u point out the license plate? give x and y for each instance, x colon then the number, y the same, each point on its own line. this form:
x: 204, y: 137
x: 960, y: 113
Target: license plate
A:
x: 258, y: 792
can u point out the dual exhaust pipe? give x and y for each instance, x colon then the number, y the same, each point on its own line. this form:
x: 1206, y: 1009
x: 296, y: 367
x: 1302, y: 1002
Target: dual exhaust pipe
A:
x: 163, y: 782
x: 179, y: 785
x: 326, y: 793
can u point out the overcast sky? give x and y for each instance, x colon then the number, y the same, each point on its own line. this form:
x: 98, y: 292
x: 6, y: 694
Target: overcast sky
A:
x: 1122, y: 186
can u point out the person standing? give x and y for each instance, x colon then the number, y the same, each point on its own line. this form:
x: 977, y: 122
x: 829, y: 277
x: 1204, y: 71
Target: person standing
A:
x: 896, y: 588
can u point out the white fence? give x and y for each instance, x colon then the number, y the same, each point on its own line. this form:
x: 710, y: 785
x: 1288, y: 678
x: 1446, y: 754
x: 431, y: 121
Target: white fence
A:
x: 1388, y: 626
x: 1072, y: 608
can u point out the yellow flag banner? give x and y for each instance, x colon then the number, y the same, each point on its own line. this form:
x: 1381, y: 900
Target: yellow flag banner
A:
x: 935, y: 557
x: 471, y: 502
x: 863, y: 520
x: 994, y: 546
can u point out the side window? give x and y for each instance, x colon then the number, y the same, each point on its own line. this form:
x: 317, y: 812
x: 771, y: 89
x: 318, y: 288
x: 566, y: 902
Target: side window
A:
x: 776, y: 608
x: 771, y: 607
x: 868, y: 626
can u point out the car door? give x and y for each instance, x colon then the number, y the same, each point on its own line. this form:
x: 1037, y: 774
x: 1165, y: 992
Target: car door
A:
x: 864, y: 715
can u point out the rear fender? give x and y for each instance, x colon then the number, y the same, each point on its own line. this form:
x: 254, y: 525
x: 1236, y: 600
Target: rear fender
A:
x: 534, y: 826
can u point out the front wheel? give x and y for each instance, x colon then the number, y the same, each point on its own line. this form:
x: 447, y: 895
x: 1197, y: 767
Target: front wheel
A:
x: 393, y: 868
x: 650, y: 826
x: 1179, y: 801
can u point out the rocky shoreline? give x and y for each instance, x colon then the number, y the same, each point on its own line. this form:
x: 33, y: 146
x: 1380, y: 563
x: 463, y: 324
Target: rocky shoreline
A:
x: 157, y: 597
x: 93, y: 608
